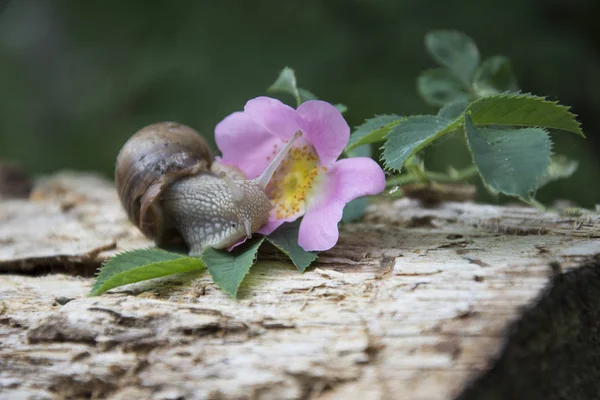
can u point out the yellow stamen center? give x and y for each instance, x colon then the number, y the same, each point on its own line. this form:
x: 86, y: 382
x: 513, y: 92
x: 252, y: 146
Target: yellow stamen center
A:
x: 293, y: 181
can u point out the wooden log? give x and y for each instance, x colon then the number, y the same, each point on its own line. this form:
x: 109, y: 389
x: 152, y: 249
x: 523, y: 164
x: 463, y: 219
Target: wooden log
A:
x: 413, y: 303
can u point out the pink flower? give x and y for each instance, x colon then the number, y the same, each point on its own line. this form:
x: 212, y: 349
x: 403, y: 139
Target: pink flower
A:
x: 310, y: 182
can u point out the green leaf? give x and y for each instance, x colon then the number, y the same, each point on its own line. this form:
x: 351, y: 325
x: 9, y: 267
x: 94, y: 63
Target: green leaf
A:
x: 510, y: 161
x: 560, y: 167
x: 372, y: 130
x: 139, y: 265
x: 285, y: 238
x: 359, y: 151
x: 341, y: 107
x: 286, y: 83
x: 523, y: 110
x: 306, y: 95
x: 439, y: 86
x: 411, y: 135
x: 454, y: 109
x: 355, y: 209
x: 454, y: 50
x: 228, y: 269
x: 494, y: 76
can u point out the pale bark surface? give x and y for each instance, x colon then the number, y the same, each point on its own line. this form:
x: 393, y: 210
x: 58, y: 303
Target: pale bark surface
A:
x: 413, y: 303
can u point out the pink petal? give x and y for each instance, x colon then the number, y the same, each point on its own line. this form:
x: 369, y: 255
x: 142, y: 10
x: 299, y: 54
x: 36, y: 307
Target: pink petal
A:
x: 346, y: 180
x: 356, y: 177
x: 244, y: 143
x: 319, y: 227
x: 326, y: 129
x: 275, y: 117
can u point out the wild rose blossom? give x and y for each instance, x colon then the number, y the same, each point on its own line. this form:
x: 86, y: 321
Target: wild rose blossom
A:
x: 310, y: 182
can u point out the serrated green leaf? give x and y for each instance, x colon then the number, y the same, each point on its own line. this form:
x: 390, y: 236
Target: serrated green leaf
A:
x: 560, y: 167
x: 411, y: 135
x: 510, y: 161
x: 372, y: 130
x: 439, y: 86
x: 523, y: 110
x: 285, y: 238
x: 454, y: 109
x: 494, y: 76
x: 454, y: 50
x: 228, y: 269
x: 286, y: 83
x: 140, y: 265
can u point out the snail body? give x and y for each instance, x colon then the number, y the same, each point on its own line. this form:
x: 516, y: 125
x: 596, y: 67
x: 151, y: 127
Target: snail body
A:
x: 204, y: 211
x: 172, y: 189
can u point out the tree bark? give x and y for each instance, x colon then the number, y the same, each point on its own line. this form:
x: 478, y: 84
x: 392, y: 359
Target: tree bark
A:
x: 459, y: 300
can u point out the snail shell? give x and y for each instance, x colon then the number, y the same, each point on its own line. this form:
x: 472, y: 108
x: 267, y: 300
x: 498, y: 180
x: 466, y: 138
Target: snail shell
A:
x: 151, y: 160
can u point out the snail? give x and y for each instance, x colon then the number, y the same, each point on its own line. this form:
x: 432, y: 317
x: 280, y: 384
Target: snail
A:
x: 172, y: 189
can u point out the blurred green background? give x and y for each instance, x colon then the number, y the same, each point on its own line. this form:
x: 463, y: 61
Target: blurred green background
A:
x: 78, y: 77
